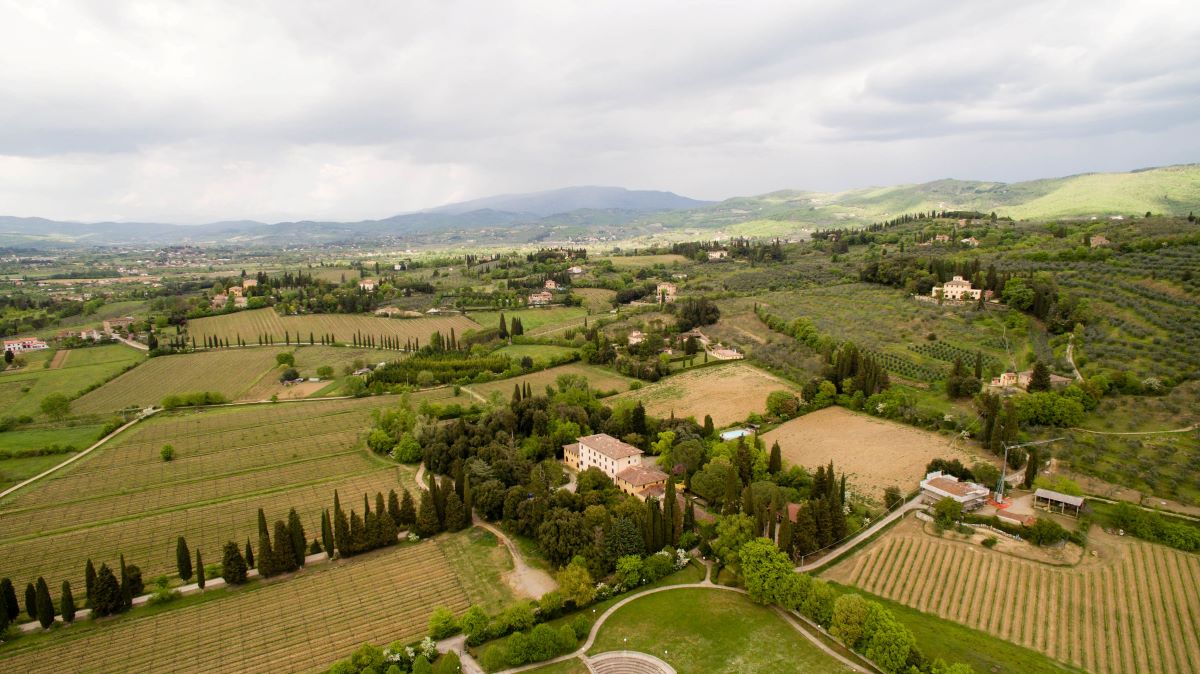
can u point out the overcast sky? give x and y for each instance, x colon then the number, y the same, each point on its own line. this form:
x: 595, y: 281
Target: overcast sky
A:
x: 203, y: 111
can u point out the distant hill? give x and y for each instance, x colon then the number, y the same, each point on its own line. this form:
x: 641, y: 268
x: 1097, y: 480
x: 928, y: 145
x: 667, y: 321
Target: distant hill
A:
x: 1166, y: 190
x: 591, y: 214
x: 570, y: 199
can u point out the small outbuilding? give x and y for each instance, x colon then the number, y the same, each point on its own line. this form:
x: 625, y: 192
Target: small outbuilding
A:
x: 1058, y: 502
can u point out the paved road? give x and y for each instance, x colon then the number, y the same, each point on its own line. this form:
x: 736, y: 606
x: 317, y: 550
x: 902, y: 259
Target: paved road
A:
x: 879, y: 524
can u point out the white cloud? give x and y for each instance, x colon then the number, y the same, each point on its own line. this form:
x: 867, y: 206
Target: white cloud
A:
x: 290, y: 110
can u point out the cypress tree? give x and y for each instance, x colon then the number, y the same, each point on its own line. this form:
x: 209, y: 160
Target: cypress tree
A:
x: 776, y: 462
x: 1031, y: 467
x: 326, y: 534
x: 456, y: 518
x: 199, y: 570
x: 427, y: 523
x: 126, y: 589
x: 689, y: 515
x: 393, y: 506
x: 1039, y: 379
x: 708, y: 426
x: 730, y: 499
x: 67, y: 603
x: 45, y: 606
x: 267, y: 565
x: 8, y: 600
x: 249, y: 555
x: 233, y: 565
x: 786, y: 536
x: 358, y: 534
x: 748, y: 501
x: 672, y: 520
x: 282, y: 552
x: 408, y: 510
x: 183, y: 559
x: 341, y: 528
x: 89, y: 580
x: 383, y: 523
x: 439, y: 503
x: 4, y: 621
x: 468, y: 501
x: 31, y: 601
x: 297, y: 536
x: 107, y: 593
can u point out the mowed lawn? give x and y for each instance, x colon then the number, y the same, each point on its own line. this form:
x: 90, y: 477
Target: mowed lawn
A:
x: 22, y: 391
x: 250, y: 324
x: 710, y: 630
x: 297, y: 624
x: 874, y: 453
x: 540, y: 353
x: 598, y: 379
x: 227, y: 371
x: 124, y: 499
x: 729, y: 392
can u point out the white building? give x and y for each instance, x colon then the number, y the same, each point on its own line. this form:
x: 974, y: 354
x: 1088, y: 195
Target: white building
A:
x: 23, y: 344
x: 620, y: 461
x: 666, y: 292
x: 718, y: 254
x: 957, y: 289
x: 540, y: 299
x: 937, y: 486
x: 367, y: 284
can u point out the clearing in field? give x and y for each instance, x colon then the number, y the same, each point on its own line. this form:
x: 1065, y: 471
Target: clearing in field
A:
x: 598, y: 379
x: 540, y: 353
x: 228, y: 371
x: 710, y: 630
x: 250, y: 324
x: 1131, y: 607
x: 535, y: 321
x: 597, y: 300
x: 874, y: 453
x: 22, y: 391
x: 299, y: 624
x: 123, y: 498
x: 639, y: 261
x: 729, y: 392
x: 14, y: 470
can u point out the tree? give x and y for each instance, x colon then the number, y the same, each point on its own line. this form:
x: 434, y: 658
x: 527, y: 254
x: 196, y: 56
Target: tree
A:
x: 562, y: 535
x: 67, y: 604
x: 167, y: 453
x: 1031, y: 467
x: 892, y: 497
x: 427, y: 523
x: 298, y: 538
x: 268, y: 565
x: 233, y: 564
x: 733, y: 531
x: 767, y: 571
x: 408, y: 511
x: 709, y: 429
x: 326, y: 534
x: 849, y: 619
x: 8, y: 357
x: 575, y: 583
x: 8, y: 600
x: 775, y: 464
x: 474, y: 624
x: 947, y: 511
x: 183, y: 559
x: 456, y: 514
x: 1039, y: 379
x: 341, y: 529
x: 783, y: 404
x: 126, y: 589
x: 199, y: 570
x: 89, y: 581
x: 56, y: 406
x: 31, y: 601
x: 282, y: 551
x: 249, y: 555
x: 106, y: 597
x: 43, y: 604
x: 442, y: 623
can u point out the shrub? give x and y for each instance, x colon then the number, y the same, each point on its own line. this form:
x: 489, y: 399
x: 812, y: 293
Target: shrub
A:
x: 990, y: 542
x: 167, y: 453
x: 442, y: 623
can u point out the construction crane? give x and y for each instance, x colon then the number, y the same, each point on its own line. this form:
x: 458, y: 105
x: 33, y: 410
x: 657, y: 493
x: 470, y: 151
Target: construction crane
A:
x: 1004, y: 466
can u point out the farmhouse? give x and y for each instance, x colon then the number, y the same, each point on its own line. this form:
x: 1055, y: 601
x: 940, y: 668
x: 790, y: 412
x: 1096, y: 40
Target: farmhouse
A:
x: 619, y: 460
x: 540, y: 299
x: 666, y: 292
x: 249, y: 283
x: 113, y: 325
x: 23, y: 344
x: 240, y: 302
x: 575, y: 271
x: 1012, y: 379
x: 1057, y: 502
x: 367, y: 284
x: 937, y: 486
x: 218, y: 301
x: 970, y: 241
x: 551, y: 284
x: 636, y: 337
x: 235, y: 291
x: 718, y: 254
x: 1098, y: 241
x: 957, y: 289
x: 942, y: 238
x: 725, y: 353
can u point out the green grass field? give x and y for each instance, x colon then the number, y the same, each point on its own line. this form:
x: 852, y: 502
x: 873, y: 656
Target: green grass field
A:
x: 15, y: 470
x: 639, y: 261
x: 22, y: 391
x: 703, y: 630
x: 532, y: 319
x: 598, y: 378
x: 540, y: 353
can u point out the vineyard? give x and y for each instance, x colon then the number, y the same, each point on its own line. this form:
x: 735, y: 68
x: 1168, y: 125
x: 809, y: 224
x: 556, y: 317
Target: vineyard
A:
x: 1131, y: 609
x: 123, y: 498
x: 248, y: 325
x: 230, y: 372
x: 297, y: 624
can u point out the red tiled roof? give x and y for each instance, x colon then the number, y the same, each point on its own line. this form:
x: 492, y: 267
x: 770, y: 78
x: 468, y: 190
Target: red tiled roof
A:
x: 610, y: 446
x: 641, y: 475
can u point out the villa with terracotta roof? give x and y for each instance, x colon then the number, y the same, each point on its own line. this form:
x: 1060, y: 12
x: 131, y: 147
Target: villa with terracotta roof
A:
x: 619, y: 460
x: 957, y: 289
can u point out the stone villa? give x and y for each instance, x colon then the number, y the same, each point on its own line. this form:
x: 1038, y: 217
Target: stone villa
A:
x: 957, y: 289
x: 620, y: 461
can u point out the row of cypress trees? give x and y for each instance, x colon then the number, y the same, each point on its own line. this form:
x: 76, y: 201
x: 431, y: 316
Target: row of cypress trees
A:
x: 38, y: 603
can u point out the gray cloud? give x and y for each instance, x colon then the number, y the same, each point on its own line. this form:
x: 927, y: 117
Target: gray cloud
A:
x: 289, y: 110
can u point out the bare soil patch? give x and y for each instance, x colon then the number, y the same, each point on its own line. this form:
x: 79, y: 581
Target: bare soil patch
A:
x: 729, y: 393
x: 874, y: 453
x: 60, y: 359
x: 268, y: 387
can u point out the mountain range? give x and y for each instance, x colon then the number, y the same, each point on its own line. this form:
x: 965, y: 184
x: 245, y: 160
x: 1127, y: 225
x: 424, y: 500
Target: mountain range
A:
x: 589, y: 214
